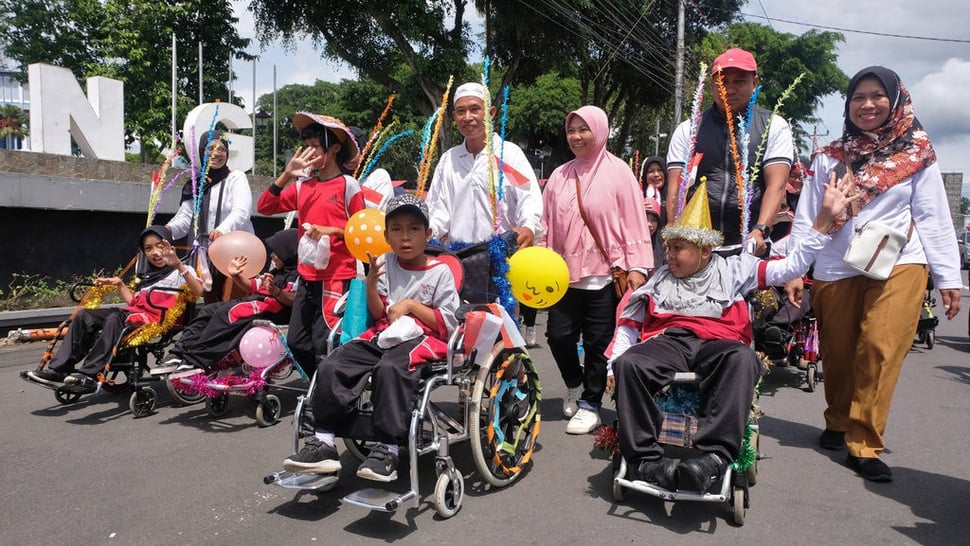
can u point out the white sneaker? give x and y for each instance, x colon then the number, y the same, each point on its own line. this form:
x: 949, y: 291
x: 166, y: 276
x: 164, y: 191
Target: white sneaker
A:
x: 569, y: 406
x: 584, y: 422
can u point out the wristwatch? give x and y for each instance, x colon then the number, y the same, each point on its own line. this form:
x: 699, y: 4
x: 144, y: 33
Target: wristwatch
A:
x: 765, y: 230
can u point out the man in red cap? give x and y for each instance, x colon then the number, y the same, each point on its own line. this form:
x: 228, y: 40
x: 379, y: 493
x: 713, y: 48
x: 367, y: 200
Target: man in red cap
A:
x: 739, y: 73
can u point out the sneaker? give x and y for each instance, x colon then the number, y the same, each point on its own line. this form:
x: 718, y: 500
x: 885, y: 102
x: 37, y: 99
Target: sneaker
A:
x: 698, y: 473
x: 583, y: 422
x: 173, y: 363
x: 530, y: 336
x: 569, y: 404
x: 662, y: 472
x: 870, y: 468
x: 78, y: 382
x: 831, y: 439
x: 316, y: 457
x: 380, y: 465
x: 47, y: 376
x: 774, y: 344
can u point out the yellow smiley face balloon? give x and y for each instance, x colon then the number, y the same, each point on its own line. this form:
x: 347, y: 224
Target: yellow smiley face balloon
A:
x: 538, y: 277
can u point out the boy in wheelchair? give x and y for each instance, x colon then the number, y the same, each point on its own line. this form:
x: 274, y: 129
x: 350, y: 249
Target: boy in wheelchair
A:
x: 94, y: 332
x: 412, y: 298
x: 692, y: 317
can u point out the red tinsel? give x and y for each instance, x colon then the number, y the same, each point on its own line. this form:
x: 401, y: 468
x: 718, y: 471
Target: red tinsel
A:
x: 215, y: 386
x: 607, y: 440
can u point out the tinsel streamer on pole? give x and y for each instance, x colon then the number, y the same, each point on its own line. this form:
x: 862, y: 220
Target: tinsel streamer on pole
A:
x: 427, y: 154
x: 158, y: 186
x: 695, y: 120
x: 636, y: 167
x: 738, y: 170
x: 204, y: 173
x: 756, y: 167
x: 487, y: 122
x: 373, y: 135
x: 501, y: 155
x: 744, y: 199
x: 382, y: 149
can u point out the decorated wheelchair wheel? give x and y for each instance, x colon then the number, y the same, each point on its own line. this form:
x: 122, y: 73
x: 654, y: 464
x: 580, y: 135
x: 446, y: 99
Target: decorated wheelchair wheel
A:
x: 504, y: 415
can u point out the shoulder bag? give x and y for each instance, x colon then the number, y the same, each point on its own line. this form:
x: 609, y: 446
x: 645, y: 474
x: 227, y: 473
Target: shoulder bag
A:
x: 618, y: 273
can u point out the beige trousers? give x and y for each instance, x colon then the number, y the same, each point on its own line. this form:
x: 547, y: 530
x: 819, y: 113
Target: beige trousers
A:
x: 866, y: 328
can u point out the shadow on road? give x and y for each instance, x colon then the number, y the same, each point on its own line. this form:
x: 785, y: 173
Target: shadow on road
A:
x: 939, y: 499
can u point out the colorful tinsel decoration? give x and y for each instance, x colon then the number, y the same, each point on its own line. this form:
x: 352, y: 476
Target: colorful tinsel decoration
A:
x: 173, y: 315
x: 373, y: 135
x: 159, y: 187
x: 95, y: 295
x: 220, y: 385
x: 498, y: 253
x: 732, y: 133
x: 428, y: 146
x: 501, y: 155
x: 756, y: 167
x: 747, y: 193
x: 204, y: 173
x: 695, y: 120
x: 377, y: 156
x: 607, y: 440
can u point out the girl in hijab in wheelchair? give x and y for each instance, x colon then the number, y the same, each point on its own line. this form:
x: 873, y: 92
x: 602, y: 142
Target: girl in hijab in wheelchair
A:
x: 93, y: 333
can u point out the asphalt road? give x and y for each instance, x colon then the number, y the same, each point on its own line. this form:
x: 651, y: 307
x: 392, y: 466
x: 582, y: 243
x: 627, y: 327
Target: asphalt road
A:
x: 91, y: 474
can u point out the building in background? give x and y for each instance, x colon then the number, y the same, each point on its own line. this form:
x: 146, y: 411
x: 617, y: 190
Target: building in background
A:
x: 13, y: 93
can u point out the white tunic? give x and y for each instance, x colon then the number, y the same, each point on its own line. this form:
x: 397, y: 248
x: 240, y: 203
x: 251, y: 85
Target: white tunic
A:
x: 237, y: 206
x: 458, y: 199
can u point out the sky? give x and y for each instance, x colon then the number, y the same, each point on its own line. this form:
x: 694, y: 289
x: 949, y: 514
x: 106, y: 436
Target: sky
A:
x: 936, y: 72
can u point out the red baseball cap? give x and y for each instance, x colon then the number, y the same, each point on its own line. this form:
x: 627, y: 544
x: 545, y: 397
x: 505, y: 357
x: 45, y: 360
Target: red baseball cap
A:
x: 735, y: 58
x: 651, y: 206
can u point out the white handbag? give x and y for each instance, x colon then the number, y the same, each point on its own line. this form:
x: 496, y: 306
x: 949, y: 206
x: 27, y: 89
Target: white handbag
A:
x: 875, y: 248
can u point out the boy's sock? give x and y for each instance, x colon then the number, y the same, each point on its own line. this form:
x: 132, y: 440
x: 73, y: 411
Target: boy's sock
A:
x: 392, y: 449
x: 326, y: 437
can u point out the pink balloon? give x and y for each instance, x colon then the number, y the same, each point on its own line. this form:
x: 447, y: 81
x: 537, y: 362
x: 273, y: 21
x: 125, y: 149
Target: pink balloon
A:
x: 261, y: 347
x: 238, y: 243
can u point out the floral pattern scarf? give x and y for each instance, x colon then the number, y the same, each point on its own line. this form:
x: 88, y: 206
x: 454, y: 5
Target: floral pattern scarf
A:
x: 888, y: 155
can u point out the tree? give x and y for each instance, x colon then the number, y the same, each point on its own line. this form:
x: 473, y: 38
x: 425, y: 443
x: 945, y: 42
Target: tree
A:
x: 964, y: 205
x: 781, y: 58
x: 13, y: 124
x: 129, y: 41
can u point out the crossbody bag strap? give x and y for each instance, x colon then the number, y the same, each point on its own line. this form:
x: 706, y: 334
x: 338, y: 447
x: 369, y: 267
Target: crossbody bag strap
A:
x: 582, y: 214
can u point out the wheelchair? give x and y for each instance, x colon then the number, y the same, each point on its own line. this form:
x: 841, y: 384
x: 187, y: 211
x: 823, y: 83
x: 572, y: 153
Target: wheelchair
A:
x: 497, y: 410
x: 127, y: 368
x: 679, y: 403
x: 233, y: 376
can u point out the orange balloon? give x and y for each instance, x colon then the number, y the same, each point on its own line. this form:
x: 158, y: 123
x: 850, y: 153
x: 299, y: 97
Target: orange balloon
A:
x: 365, y: 233
x: 238, y: 243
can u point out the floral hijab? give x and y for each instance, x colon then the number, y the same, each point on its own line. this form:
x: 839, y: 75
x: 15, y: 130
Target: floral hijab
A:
x: 891, y: 153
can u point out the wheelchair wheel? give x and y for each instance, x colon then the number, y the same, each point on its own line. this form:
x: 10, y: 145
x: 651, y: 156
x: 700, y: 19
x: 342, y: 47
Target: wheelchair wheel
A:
x: 142, y: 402
x: 811, y: 376
x: 504, y: 415
x: 449, y: 491
x: 268, y: 411
x: 180, y: 397
x: 737, y: 505
x: 360, y: 449
x: 930, y: 339
x: 218, y: 406
x: 66, y: 397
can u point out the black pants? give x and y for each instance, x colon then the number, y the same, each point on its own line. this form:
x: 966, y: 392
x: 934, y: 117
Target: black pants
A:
x: 591, y: 313
x: 308, y: 332
x: 729, y: 372
x: 342, y: 377
x: 211, y: 335
x: 83, y: 340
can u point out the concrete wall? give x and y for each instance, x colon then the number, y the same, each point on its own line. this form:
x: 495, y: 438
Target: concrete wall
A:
x: 62, y: 215
x: 953, y: 182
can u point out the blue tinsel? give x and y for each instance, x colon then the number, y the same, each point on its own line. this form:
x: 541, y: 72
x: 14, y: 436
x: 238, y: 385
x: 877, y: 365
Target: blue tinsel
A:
x: 501, y: 156
x: 205, y: 166
x: 498, y: 253
x: 681, y: 399
x: 373, y: 161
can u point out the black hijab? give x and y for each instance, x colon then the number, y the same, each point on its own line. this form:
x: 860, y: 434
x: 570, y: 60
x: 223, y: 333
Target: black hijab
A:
x: 151, y: 274
x: 284, y: 244
x: 890, y: 82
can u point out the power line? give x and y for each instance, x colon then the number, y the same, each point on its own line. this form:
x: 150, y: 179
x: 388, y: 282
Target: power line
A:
x: 857, y: 31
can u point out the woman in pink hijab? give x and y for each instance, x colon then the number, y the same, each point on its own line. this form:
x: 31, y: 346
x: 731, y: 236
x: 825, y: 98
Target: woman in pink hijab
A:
x: 593, y: 217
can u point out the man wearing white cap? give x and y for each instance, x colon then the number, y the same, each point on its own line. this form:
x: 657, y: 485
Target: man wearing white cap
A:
x: 459, y: 197
x: 739, y: 72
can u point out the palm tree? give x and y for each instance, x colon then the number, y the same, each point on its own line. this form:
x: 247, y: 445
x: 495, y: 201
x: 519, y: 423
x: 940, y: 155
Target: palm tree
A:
x: 13, y: 125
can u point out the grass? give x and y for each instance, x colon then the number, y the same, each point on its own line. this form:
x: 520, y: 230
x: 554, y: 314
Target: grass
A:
x: 35, y: 291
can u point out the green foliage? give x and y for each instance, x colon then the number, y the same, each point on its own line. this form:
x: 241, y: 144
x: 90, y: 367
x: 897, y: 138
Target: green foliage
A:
x: 537, y: 111
x: 35, y: 291
x: 130, y: 41
x: 964, y: 205
x: 13, y: 122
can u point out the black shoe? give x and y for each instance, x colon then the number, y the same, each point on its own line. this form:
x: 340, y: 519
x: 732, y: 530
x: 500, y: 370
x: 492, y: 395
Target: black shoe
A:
x: 47, y: 376
x: 698, y: 473
x: 380, y: 465
x: 315, y: 457
x: 79, y: 383
x: 662, y: 471
x: 774, y: 344
x: 870, y: 468
x: 831, y: 439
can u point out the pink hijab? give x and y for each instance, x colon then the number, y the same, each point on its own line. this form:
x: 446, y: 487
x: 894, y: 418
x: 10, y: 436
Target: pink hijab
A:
x: 611, y: 200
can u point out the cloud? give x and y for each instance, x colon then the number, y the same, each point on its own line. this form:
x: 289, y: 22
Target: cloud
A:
x: 935, y: 100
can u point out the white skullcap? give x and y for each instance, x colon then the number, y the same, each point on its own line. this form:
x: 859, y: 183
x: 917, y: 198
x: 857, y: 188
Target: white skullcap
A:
x: 470, y: 89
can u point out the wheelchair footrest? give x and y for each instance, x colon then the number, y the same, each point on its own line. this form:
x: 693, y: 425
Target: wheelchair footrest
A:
x: 378, y: 499
x: 302, y: 481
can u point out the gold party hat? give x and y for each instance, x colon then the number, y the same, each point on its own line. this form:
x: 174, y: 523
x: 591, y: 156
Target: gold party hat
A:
x: 694, y: 223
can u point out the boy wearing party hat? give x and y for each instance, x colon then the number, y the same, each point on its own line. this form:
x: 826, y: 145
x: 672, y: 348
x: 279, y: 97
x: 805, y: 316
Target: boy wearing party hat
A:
x: 691, y: 316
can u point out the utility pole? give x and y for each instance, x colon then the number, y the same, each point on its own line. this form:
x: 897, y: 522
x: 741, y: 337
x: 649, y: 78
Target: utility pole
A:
x: 679, y: 67
x: 655, y: 137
